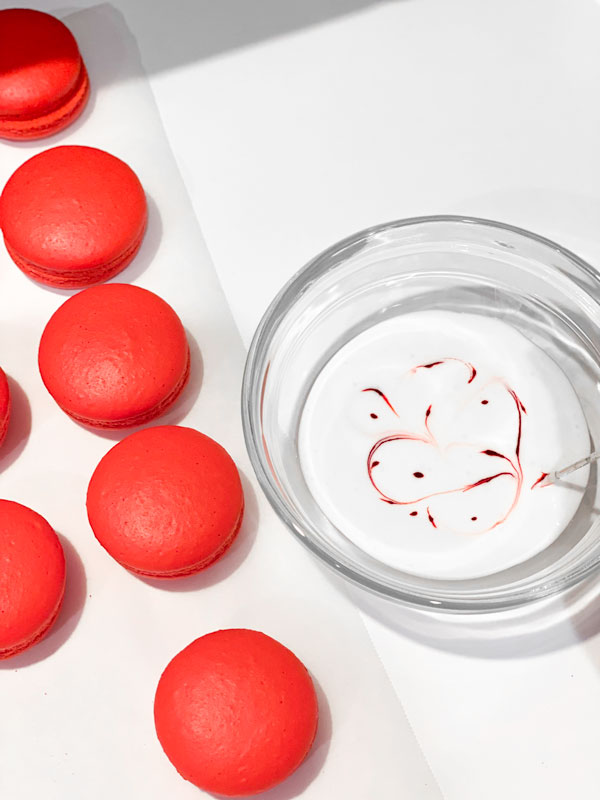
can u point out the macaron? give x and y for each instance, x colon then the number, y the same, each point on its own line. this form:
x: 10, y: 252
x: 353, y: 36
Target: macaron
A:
x: 32, y: 577
x: 114, y: 356
x: 44, y: 85
x: 4, y: 406
x: 235, y: 712
x: 73, y: 216
x: 165, y: 502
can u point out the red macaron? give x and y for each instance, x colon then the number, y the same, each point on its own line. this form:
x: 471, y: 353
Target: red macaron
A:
x: 114, y: 356
x: 166, y: 502
x: 73, y: 216
x: 32, y: 577
x: 235, y: 712
x: 4, y: 406
x: 44, y: 85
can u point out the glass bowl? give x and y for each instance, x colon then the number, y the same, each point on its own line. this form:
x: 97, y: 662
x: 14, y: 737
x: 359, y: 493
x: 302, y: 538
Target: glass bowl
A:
x: 442, y: 262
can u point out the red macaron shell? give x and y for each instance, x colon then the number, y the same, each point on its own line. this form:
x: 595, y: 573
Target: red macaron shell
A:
x: 4, y: 406
x: 43, y: 81
x: 236, y: 712
x: 32, y: 577
x: 73, y: 216
x: 114, y: 356
x: 166, y: 502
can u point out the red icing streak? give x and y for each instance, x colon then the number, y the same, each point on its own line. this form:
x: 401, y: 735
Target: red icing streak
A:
x: 470, y: 367
x: 370, y: 463
x: 481, y: 481
x: 383, y: 397
x: 539, y: 480
x: 495, y: 454
x: 514, y: 469
x: 520, y: 408
x: 427, y: 415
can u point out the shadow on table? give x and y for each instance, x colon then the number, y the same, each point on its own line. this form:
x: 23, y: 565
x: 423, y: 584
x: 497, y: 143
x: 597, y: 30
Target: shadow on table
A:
x: 543, y: 627
x: 186, y: 31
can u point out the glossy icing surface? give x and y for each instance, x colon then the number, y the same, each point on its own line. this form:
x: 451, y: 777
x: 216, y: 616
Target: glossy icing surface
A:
x: 425, y: 437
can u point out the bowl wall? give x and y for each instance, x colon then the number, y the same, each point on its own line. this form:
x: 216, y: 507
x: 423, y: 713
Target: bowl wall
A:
x: 444, y: 263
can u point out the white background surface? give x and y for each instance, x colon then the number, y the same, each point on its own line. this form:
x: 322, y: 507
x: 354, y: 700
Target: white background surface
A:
x: 297, y: 122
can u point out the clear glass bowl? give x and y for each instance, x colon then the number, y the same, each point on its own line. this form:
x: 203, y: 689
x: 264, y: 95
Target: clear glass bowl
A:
x: 443, y: 262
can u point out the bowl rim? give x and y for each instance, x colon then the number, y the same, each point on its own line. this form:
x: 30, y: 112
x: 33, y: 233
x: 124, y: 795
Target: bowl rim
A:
x: 481, y: 601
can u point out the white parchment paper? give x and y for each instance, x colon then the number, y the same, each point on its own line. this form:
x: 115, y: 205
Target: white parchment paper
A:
x: 76, y: 710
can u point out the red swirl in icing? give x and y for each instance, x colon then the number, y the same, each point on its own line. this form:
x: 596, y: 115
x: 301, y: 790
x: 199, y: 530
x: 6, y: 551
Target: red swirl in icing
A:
x: 381, y: 394
x: 470, y: 367
x: 510, y: 468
